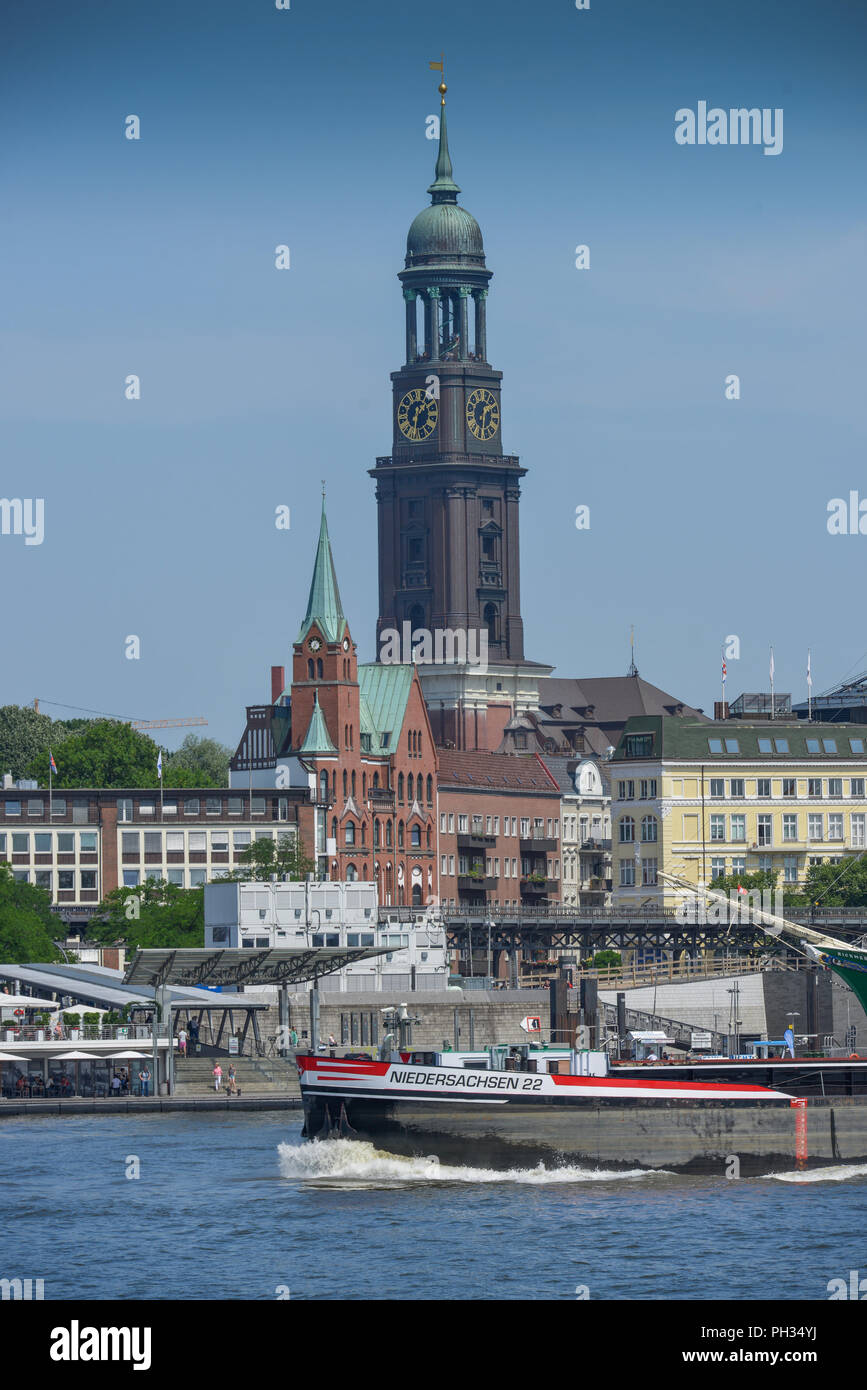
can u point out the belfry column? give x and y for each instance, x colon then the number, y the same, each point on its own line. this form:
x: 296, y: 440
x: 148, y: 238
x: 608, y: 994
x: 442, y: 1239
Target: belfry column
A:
x: 481, y: 325
x: 434, y: 298
x: 463, y: 291
x: 411, y: 349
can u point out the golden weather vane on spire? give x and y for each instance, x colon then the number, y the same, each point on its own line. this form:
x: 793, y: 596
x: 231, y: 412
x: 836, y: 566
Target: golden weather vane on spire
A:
x: 441, y: 67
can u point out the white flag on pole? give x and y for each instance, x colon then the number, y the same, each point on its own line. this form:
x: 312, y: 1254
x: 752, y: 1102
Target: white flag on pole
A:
x: 771, y: 667
x: 160, y: 765
x: 809, y: 674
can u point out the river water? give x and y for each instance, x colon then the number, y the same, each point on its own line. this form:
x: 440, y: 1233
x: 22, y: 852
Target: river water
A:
x: 238, y: 1207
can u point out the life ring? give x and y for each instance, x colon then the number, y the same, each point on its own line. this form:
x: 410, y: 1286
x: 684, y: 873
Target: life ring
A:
x: 854, y: 1057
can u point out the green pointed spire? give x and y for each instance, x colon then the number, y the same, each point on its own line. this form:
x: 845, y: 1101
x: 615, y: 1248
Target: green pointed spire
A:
x: 323, y: 604
x: 317, y: 739
x: 443, y: 189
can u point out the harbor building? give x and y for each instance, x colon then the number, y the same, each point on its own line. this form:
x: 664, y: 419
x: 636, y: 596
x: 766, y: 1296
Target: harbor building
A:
x: 585, y: 821
x: 269, y: 915
x: 81, y: 845
x: 707, y: 800
x: 499, y: 830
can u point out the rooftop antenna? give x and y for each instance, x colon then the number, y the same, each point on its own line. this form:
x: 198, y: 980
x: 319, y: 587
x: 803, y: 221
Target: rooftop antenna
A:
x: 633, y: 669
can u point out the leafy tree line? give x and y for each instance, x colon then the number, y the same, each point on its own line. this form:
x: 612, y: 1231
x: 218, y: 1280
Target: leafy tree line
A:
x: 103, y: 753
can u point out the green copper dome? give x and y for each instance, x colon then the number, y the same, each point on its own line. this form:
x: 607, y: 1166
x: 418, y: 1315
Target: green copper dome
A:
x: 444, y: 231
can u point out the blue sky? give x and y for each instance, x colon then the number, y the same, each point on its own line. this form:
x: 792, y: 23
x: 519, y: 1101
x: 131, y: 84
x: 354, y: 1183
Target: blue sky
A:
x: 307, y: 127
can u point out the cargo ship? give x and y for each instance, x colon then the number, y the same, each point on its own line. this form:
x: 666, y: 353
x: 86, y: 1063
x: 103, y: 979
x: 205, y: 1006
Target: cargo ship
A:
x: 513, y: 1107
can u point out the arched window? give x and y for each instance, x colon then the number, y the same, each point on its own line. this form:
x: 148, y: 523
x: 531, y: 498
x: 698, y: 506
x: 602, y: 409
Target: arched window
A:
x: 334, y: 785
x: 319, y: 667
x: 429, y: 789
x: 491, y: 621
x: 376, y: 834
x: 649, y: 829
x: 323, y: 785
x: 409, y: 742
x: 376, y: 779
x: 428, y: 837
x: 364, y: 871
x: 416, y: 895
x: 415, y: 836
x: 400, y: 834
x: 416, y: 617
x: 409, y: 788
x: 334, y: 828
x: 388, y: 834
x: 345, y: 783
x: 353, y: 784
x: 351, y: 737
x: 364, y: 786
x: 400, y: 786
x: 310, y: 669
x: 350, y: 833
x: 351, y: 873
x: 627, y: 830
x: 363, y: 833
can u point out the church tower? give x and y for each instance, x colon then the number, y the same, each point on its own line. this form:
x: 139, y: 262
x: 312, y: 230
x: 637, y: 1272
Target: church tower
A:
x: 448, y: 495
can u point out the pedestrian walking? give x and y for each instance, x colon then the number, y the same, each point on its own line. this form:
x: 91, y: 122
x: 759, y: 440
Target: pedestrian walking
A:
x: 144, y: 1077
x: 293, y: 1037
x: 231, y: 1087
x: 218, y: 1076
x: 182, y: 1042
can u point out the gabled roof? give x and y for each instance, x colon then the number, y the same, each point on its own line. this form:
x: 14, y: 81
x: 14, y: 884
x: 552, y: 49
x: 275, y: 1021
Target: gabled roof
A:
x: 323, y: 603
x: 473, y: 771
x: 317, y: 738
x: 385, y: 691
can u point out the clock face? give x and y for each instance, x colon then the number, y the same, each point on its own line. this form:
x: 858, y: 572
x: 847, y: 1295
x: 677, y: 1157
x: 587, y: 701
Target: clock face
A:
x: 417, y: 414
x: 346, y: 644
x: 483, y: 413
x: 315, y: 644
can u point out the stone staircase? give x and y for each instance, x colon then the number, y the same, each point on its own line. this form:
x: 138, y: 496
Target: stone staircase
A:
x: 255, y: 1076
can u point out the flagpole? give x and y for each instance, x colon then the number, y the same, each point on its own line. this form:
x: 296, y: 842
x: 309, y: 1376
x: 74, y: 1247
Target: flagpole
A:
x: 809, y: 689
x: 50, y: 788
x: 772, y: 682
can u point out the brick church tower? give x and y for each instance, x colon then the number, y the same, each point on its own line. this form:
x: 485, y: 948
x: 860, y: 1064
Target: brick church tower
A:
x: 448, y: 495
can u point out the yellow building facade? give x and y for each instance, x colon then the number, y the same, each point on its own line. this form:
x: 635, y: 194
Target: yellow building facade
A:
x: 705, y: 800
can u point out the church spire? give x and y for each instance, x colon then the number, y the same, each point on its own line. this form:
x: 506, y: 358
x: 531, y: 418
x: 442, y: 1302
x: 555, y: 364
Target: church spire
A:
x: 323, y: 604
x: 443, y: 189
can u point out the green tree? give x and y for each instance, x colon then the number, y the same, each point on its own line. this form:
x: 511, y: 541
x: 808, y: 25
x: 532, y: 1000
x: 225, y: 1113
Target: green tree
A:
x: 284, y: 857
x: 833, y: 885
x: 25, y: 738
x: 604, y: 960
x: 27, y: 925
x: 156, y: 914
x: 206, y: 760
x: 105, y: 753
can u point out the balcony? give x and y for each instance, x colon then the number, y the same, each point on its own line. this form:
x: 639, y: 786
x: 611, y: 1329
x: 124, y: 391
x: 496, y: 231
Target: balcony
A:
x: 538, y: 844
x: 380, y: 799
x: 535, y: 887
x: 467, y: 840
x: 476, y: 883
x: 595, y: 842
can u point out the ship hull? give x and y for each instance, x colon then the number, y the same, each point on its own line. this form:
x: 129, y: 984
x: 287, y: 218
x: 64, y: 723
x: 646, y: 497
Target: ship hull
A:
x: 602, y: 1125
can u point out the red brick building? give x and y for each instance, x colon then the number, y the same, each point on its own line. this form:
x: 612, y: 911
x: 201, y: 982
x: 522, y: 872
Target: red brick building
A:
x: 499, y: 829
x: 361, y: 738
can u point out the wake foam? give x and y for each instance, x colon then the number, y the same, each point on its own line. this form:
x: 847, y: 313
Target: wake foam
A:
x: 354, y: 1161
x: 840, y: 1172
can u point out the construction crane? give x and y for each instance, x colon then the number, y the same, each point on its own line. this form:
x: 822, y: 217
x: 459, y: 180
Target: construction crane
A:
x: 134, y: 723
x: 165, y: 723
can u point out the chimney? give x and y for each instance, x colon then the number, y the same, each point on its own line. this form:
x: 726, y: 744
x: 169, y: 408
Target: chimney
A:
x: 278, y: 683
